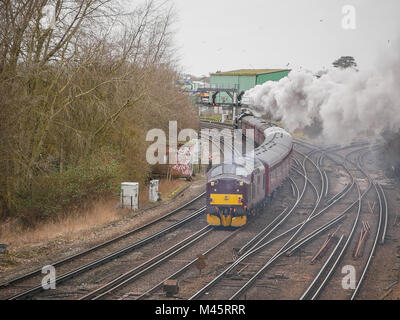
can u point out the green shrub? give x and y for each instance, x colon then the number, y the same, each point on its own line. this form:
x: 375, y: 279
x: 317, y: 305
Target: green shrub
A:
x: 57, y: 193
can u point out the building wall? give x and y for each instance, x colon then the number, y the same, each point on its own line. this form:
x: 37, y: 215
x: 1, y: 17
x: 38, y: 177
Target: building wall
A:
x: 242, y: 83
x: 276, y: 76
x: 246, y: 82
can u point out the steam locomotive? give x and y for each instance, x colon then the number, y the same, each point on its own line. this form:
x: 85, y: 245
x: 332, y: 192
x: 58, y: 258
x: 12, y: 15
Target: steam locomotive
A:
x: 237, y: 191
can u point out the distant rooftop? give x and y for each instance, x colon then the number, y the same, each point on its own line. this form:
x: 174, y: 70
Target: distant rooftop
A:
x: 247, y: 72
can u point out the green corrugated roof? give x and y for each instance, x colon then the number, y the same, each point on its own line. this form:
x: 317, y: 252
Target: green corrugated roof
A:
x: 247, y: 72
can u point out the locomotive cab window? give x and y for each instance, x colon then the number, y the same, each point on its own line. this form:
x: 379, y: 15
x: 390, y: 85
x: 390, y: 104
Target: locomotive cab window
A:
x: 216, y: 171
x: 229, y: 169
x: 241, y: 171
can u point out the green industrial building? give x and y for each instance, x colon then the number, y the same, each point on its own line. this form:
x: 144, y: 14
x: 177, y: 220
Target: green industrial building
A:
x: 242, y: 80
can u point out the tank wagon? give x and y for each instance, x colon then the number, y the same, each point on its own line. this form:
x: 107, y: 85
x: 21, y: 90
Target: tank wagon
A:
x: 236, y: 192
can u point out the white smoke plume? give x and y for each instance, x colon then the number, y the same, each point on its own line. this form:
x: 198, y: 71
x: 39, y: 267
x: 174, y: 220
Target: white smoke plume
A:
x: 346, y: 103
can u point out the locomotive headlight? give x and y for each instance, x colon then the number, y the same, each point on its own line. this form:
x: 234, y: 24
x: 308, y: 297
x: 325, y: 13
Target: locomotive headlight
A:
x: 241, y: 183
x: 212, y: 183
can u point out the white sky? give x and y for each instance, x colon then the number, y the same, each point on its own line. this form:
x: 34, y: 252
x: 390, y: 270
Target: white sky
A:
x: 232, y: 34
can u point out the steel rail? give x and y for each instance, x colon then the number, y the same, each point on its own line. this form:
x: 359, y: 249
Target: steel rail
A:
x: 307, y: 157
x: 385, y: 205
x: 319, y: 196
x: 323, y: 269
x: 292, y: 185
x: 326, y: 184
x: 384, y: 201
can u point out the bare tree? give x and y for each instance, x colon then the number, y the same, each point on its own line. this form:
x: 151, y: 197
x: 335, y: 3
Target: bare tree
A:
x: 95, y: 79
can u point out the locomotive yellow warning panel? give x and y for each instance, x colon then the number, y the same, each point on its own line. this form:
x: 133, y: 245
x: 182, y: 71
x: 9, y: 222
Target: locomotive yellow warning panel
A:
x: 226, y: 199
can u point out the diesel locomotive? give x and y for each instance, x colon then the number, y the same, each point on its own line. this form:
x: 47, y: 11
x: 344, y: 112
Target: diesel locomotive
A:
x: 237, y: 191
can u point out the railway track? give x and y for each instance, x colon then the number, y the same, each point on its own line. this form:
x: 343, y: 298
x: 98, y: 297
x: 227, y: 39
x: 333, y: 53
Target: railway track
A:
x: 22, y: 282
x: 257, y: 243
x: 215, y: 125
x: 139, y: 272
x: 147, y: 266
x: 157, y: 288
x: 102, y: 245
x: 254, y: 245
x: 331, y: 264
x: 337, y: 252
x: 287, y: 249
x: 126, y: 280
x: 26, y: 280
x: 122, y: 245
x: 282, y: 238
x: 299, y: 239
x: 150, y: 292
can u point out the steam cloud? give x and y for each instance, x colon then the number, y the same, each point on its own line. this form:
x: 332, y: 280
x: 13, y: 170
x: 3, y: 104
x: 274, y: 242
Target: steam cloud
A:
x: 345, y: 103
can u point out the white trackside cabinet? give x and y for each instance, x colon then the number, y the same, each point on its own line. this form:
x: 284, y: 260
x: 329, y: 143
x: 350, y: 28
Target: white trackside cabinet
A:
x: 153, y: 190
x: 130, y: 195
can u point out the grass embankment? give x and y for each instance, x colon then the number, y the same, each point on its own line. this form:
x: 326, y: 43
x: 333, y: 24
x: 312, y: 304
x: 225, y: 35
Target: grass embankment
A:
x: 76, y: 223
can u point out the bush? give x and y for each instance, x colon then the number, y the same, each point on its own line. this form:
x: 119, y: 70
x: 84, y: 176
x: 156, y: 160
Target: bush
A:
x: 58, y: 193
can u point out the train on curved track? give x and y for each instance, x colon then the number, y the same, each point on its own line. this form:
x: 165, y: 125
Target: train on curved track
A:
x: 235, y: 192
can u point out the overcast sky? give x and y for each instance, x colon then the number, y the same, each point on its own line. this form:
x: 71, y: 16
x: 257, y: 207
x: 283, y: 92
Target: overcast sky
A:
x: 233, y: 34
